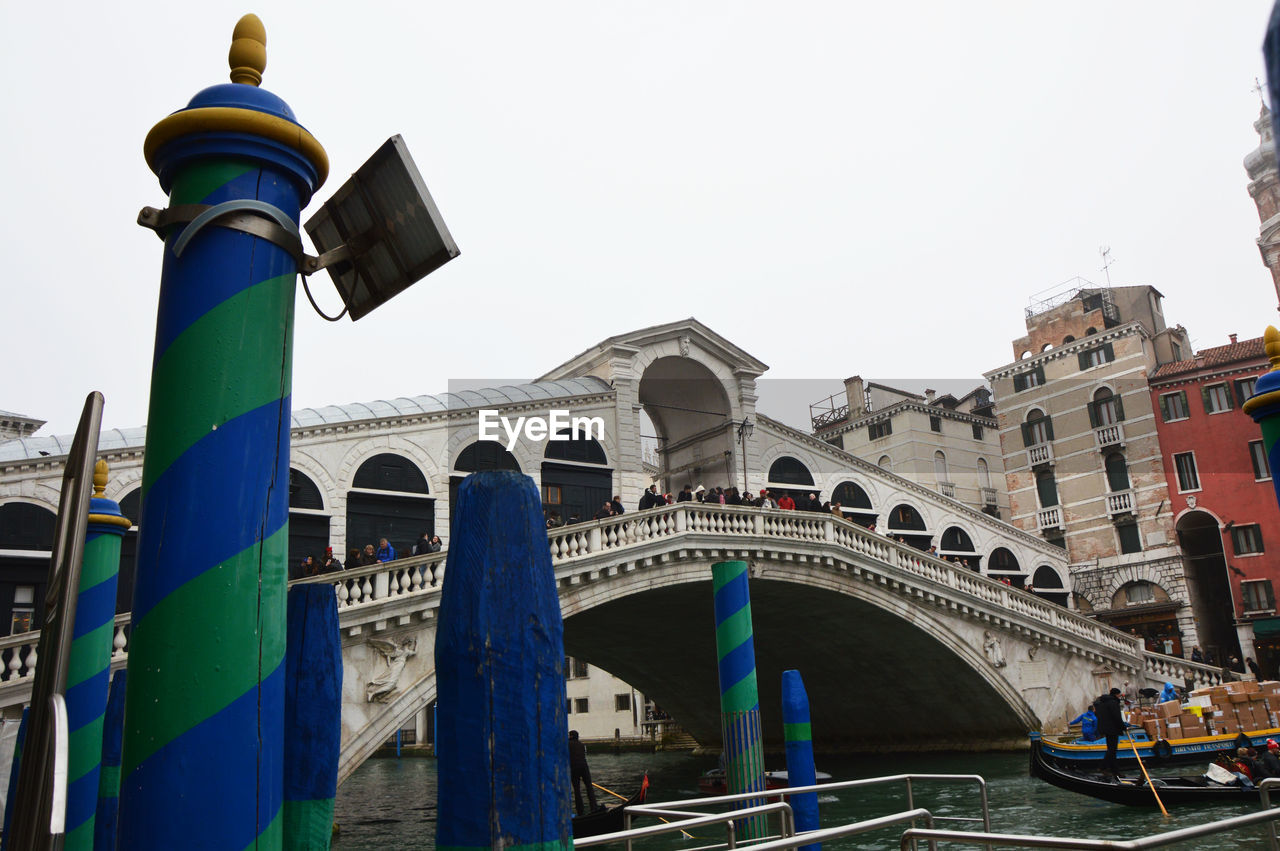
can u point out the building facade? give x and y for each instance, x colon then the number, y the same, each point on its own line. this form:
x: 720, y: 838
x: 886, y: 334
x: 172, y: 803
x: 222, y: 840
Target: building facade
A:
x: 1219, y: 480
x: 950, y: 445
x: 1082, y: 456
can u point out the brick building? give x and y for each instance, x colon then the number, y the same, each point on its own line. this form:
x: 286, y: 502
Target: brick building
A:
x: 1226, y: 517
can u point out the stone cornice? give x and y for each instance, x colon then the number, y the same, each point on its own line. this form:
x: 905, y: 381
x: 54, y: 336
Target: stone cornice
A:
x: 908, y: 405
x: 1051, y: 552
x: 1083, y: 344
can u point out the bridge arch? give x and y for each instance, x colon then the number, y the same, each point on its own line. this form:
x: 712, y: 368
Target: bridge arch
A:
x: 693, y: 412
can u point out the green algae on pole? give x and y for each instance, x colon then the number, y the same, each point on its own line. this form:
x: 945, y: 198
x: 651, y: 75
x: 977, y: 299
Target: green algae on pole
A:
x: 504, y: 771
x: 800, y: 768
x: 204, y: 717
x: 739, y: 693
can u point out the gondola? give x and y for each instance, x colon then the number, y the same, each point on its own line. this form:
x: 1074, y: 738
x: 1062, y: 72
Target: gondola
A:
x: 1131, y: 789
x: 713, y: 781
x: 1086, y: 755
x: 608, y: 819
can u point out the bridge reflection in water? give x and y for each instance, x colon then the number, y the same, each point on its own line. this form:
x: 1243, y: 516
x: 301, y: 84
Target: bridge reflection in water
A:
x: 903, y: 650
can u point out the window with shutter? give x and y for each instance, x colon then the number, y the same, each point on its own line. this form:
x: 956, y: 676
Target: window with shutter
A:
x: 1244, y: 389
x: 1019, y: 383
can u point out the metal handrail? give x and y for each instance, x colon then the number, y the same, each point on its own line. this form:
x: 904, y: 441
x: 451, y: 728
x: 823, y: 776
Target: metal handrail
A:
x: 628, y: 834
x: 1158, y: 840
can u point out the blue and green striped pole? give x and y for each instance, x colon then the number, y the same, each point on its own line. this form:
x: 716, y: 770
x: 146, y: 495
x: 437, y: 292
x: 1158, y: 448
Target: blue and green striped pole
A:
x: 1264, y: 404
x: 89, y: 671
x: 801, y: 770
x: 739, y: 694
x: 107, y: 821
x: 204, y: 711
x: 504, y: 774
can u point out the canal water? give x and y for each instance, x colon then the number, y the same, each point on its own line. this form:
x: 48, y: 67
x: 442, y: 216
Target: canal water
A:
x: 391, y: 804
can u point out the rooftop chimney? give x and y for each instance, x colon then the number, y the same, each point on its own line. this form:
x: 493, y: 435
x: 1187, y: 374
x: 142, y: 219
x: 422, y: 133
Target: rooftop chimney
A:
x: 1233, y: 338
x: 854, y: 393
x: 929, y: 396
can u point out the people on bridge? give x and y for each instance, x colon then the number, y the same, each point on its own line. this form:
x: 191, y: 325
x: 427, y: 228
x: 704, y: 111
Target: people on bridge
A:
x: 1088, y: 722
x: 1196, y: 655
x: 767, y: 500
x: 1110, y: 725
x: 604, y: 512
x: 618, y: 510
x: 650, y: 499
x: 700, y: 494
x: 309, y: 567
x: 786, y: 503
x: 331, y: 562
x: 686, y: 494
x: 732, y: 497
x: 812, y: 503
x: 580, y: 772
x: 422, y: 546
x: 386, y: 552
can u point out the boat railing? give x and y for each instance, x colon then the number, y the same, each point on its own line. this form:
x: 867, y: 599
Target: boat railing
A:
x: 689, y: 821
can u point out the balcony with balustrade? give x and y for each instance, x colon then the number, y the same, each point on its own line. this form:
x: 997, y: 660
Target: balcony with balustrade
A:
x: 1039, y: 454
x: 1121, y: 502
x: 989, y: 496
x: 1049, y: 518
x: 947, y: 489
x: 1109, y: 436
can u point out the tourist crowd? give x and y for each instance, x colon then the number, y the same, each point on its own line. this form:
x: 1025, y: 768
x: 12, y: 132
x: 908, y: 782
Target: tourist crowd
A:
x: 369, y: 555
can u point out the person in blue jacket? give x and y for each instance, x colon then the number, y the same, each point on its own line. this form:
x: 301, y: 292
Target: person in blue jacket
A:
x: 1088, y: 724
x: 386, y: 552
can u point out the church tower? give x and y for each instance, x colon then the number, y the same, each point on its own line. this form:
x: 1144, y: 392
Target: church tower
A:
x: 1264, y: 188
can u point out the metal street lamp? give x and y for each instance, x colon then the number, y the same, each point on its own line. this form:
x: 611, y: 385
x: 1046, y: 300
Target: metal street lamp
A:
x: 745, y: 428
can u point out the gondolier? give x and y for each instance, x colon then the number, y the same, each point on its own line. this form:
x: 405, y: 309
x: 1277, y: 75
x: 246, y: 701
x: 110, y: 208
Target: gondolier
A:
x: 1110, y: 725
x: 580, y: 772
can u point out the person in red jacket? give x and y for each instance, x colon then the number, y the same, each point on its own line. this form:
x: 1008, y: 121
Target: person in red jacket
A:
x: 786, y: 502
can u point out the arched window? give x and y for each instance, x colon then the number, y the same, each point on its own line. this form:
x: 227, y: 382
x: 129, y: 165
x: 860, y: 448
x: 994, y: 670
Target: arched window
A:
x: 24, y: 526
x: 574, y: 481
x: 1024, y: 355
x: 850, y: 496
x: 1105, y: 409
x: 1003, y: 560
x: 984, y: 474
x: 1048, y: 585
x: 485, y: 455
x: 906, y: 518
x: 940, y: 467
x: 1117, y: 473
x: 578, y: 447
x: 1037, y: 429
x: 399, y: 516
x: 885, y: 463
x: 956, y: 540
x: 1068, y: 339
x: 789, y: 471
x: 1046, y: 347
x: 23, y: 576
x: 1090, y: 331
x: 308, y: 524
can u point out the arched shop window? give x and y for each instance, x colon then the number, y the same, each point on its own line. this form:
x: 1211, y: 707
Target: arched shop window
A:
x: 957, y: 546
x: 575, y: 479
x: 26, y: 539
x: 388, y: 499
x: 480, y: 456
x: 855, y: 503
x: 308, y: 522
x: 789, y: 476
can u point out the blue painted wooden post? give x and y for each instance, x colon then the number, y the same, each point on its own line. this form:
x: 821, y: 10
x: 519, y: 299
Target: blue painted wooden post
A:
x: 106, y: 823
x: 800, y: 768
x: 504, y: 777
x: 312, y: 716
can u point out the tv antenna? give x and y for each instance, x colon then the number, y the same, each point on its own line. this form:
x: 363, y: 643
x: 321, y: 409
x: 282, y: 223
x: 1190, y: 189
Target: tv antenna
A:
x: 1260, y: 91
x: 1105, y: 251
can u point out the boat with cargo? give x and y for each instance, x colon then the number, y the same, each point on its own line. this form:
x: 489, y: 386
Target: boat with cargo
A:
x: 1220, y: 718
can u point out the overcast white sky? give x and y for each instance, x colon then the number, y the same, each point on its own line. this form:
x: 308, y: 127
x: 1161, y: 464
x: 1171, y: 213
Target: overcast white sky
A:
x: 839, y: 188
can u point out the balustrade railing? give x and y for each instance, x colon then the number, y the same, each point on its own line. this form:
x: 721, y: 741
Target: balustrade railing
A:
x: 1109, y: 435
x: 947, y: 489
x: 1119, y: 503
x: 988, y: 496
x: 638, y: 531
x: 1041, y: 453
x: 1049, y: 518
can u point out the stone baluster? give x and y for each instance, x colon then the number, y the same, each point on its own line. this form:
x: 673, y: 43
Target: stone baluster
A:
x: 344, y: 596
x: 15, y: 664
x: 415, y: 578
x: 118, y: 643
x: 366, y: 589
x: 31, y: 662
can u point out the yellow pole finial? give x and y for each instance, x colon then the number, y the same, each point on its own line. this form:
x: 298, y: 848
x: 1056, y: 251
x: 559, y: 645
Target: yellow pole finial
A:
x: 100, y: 478
x: 248, y: 54
x: 1271, y: 340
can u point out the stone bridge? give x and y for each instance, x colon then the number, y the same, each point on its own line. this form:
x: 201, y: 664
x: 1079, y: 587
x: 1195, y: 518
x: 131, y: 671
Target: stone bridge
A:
x: 899, y: 650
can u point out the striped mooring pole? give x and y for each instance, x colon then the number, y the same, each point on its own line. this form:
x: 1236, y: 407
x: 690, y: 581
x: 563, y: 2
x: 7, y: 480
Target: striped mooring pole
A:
x: 107, y: 822
x: 739, y: 693
x: 203, y: 739
x: 89, y: 671
x: 13, y: 779
x: 1264, y: 404
x: 504, y: 769
x: 801, y: 770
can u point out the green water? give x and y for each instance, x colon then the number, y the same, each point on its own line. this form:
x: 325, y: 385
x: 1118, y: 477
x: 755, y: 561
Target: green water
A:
x: 391, y: 804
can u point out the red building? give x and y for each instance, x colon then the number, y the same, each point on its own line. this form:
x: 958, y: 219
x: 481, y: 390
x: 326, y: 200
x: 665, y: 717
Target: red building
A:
x: 1227, y: 519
